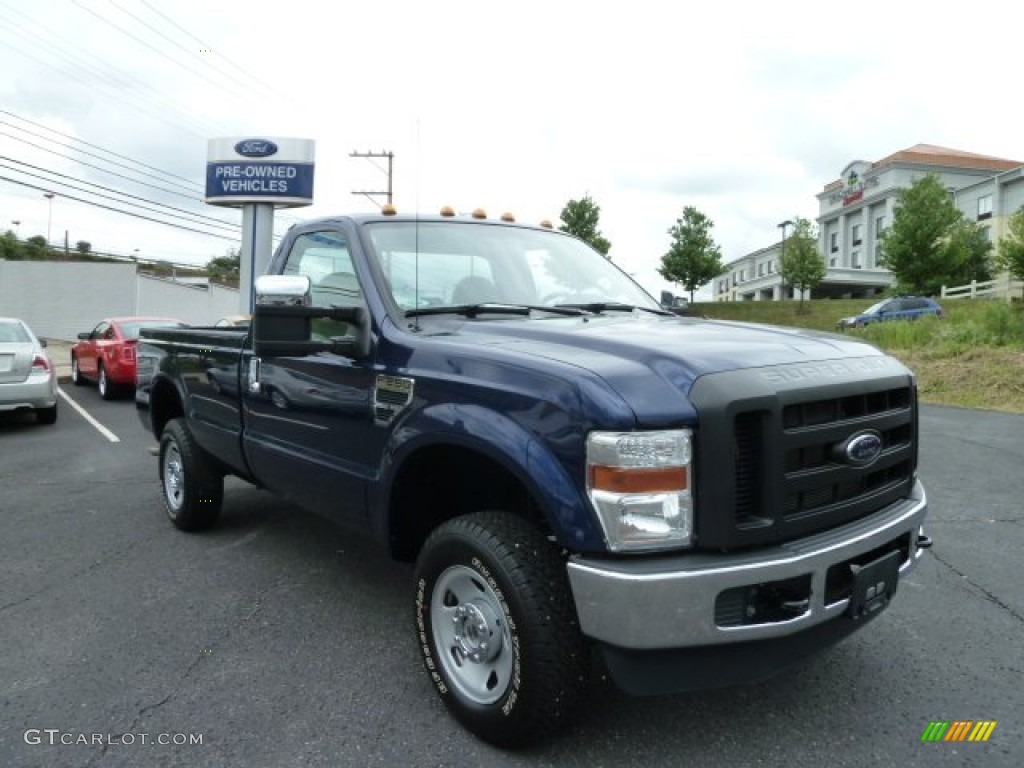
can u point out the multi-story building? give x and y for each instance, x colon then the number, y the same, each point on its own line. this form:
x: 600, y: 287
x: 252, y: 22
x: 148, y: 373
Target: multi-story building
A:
x: 855, y: 209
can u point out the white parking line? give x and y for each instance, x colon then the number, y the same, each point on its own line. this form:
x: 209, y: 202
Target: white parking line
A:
x: 85, y: 415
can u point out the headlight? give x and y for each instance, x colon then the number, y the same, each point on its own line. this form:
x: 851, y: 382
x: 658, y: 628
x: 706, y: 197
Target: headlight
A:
x: 641, y: 484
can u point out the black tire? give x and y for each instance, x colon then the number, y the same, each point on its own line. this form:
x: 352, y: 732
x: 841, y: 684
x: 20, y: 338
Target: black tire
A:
x: 76, y: 375
x: 47, y: 415
x: 498, y: 629
x: 192, y: 488
x: 105, y: 386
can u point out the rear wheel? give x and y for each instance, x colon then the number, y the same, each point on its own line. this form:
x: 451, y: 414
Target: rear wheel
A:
x: 192, y: 489
x: 498, y: 629
x: 104, y: 384
x: 47, y: 415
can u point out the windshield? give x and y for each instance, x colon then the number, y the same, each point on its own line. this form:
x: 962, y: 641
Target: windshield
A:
x: 463, y: 263
x: 874, y: 309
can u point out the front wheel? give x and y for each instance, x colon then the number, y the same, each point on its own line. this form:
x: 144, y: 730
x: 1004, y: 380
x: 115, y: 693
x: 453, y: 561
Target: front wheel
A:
x: 192, y: 490
x: 498, y: 629
x: 76, y: 373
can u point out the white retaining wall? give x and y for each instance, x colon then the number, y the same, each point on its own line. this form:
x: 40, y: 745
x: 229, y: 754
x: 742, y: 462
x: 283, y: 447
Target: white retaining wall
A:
x: 60, y: 299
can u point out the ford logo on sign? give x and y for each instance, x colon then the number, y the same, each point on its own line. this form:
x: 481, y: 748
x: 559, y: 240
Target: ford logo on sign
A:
x: 256, y: 148
x: 862, y: 448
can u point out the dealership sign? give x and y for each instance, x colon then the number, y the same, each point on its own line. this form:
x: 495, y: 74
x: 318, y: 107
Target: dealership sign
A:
x: 275, y: 171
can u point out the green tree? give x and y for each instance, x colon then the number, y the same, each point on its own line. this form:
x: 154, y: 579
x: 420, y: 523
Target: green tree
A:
x: 580, y: 218
x: 36, y: 248
x: 918, y: 247
x: 693, y: 257
x: 968, y: 251
x: 83, y: 247
x: 10, y: 247
x: 1010, y: 253
x: 801, y: 265
x: 226, y: 268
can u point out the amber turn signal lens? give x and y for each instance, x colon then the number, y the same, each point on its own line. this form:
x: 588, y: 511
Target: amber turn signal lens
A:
x: 630, y: 480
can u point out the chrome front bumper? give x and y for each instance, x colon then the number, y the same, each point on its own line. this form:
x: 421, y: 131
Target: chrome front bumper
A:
x: 670, y: 602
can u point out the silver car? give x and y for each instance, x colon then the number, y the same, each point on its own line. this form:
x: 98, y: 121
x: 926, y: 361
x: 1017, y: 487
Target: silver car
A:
x: 28, y: 380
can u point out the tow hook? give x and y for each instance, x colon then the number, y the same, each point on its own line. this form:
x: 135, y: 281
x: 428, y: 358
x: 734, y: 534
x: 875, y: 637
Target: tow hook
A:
x: 923, y: 542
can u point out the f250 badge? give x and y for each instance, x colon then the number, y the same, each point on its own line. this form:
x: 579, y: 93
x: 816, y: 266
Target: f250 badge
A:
x: 391, y: 395
x: 256, y: 148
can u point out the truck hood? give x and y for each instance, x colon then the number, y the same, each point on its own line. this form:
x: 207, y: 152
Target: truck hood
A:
x: 650, y: 360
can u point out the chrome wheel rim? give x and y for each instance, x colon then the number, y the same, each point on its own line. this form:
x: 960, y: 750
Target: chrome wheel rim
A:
x: 473, y: 642
x: 174, y: 477
x: 103, y: 381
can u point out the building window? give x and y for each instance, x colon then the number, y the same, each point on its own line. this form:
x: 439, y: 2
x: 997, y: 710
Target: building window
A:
x: 879, y: 226
x: 771, y: 267
x: 855, y: 260
x: 855, y: 232
x: 832, y: 261
x: 834, y: 242
x: 987, y: 231
x: 985, y: 207
x: 760, y: 269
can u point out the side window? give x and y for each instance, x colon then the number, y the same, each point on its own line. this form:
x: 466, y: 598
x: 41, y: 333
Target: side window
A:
x: 324, y: 258
x: 103, y: 331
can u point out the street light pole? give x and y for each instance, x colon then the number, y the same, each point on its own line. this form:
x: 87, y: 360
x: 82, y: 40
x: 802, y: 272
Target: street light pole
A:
x: 782, y: 225
x: 49, y: 196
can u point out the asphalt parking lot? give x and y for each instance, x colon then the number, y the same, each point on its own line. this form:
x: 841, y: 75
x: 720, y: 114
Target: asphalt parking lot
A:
x: 278, y: 640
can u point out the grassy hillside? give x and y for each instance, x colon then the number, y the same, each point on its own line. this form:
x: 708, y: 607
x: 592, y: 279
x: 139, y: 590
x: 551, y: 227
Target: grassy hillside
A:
x: 972, y: 357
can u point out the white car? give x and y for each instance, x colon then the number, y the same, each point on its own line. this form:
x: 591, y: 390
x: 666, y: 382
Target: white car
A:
x: 28, y: 381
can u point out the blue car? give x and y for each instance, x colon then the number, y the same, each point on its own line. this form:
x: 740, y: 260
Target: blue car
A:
x: 894, y: 308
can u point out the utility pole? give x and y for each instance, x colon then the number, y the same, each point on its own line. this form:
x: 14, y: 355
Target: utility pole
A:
x: 782, y: 226
x: 390, y: 157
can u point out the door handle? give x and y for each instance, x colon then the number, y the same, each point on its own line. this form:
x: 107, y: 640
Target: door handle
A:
x: 253, y: 378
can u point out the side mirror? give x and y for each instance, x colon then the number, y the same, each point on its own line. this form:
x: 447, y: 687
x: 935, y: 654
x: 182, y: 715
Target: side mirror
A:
x: 42, y: 342
x: 282, y: 323
x: 85, y: 335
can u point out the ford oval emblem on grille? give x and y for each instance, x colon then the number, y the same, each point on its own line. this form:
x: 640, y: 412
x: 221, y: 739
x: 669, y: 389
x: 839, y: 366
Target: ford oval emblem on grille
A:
x: 256, y: 148
x: 862, y: 448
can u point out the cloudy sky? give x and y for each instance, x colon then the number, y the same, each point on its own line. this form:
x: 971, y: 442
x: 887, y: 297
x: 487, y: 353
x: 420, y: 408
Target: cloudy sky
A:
x: 744, y: 110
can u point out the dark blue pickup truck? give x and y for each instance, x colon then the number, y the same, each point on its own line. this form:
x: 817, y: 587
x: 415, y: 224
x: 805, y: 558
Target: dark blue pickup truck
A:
x: 581, y: 477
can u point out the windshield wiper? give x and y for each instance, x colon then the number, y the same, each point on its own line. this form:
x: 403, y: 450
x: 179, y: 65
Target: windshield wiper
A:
x: 598, y: 307
x: 472, y: 310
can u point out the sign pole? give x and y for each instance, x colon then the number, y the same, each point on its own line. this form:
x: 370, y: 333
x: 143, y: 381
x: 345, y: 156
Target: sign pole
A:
x: 257, y: 250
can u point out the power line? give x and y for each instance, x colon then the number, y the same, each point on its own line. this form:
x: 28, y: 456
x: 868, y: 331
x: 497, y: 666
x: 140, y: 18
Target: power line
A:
x: 212, y: 221
x: 193, y: 184
x: 146, y: 44
x: 176, y: 44
x: 64, y: 73
x: 120, y: 210
x: 97, y: 168
x: 206, y: 46
x: 93, y: 154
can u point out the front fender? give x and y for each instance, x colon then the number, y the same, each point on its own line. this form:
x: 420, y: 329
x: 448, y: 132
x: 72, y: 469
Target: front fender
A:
x: 494, y: 435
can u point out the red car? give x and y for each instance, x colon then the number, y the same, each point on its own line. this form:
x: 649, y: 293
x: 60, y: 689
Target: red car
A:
x: 106, y: 354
